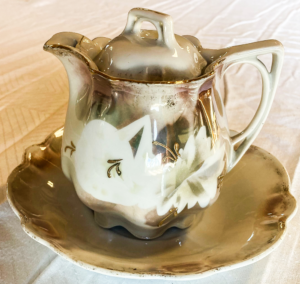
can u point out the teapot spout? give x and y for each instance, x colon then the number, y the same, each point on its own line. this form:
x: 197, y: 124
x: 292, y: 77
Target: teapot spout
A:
x: 79, y: 45
x: 76, y: 53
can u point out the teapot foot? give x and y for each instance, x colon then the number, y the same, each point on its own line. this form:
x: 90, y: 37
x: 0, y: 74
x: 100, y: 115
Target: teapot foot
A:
x: 118, y: 223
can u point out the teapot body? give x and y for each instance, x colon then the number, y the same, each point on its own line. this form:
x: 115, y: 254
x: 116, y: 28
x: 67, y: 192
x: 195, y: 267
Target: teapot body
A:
x: 145, y: 156
x: 145, y: 152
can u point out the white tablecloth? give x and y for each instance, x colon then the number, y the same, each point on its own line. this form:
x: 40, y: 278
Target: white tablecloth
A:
x: 34, y: 96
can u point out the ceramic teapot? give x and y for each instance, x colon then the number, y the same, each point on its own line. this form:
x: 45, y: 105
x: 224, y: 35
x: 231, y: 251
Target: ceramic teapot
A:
x: 146, y: 141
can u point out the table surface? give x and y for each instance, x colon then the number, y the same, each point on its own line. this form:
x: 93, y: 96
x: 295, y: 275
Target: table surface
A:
x: 34, y: 98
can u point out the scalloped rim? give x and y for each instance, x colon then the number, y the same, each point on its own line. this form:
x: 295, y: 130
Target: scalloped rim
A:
x: 211, y: 67
x: 122, y: 274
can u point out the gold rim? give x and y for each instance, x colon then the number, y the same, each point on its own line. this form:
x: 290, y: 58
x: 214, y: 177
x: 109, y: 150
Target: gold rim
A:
x: 80, y: 55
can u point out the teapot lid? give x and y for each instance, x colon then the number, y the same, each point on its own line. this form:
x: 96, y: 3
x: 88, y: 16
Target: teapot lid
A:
x: 151, y: 55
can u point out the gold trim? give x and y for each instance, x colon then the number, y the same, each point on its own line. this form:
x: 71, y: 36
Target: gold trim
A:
x: 172, y: 211
x: 221, y: 177
x: 116, y: 163
x: 209, y: 118
x: 72, y: 148
x: 176, y: 148
x: 93, y: 71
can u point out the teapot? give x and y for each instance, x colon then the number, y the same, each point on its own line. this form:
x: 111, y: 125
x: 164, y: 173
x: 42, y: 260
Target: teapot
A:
x: 146, y: 141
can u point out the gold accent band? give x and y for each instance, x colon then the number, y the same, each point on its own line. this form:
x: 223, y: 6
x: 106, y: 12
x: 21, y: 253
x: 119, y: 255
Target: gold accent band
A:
x: 172, y: 211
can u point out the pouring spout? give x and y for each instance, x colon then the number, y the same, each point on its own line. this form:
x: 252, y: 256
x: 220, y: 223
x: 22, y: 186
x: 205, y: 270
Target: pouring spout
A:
x: 76, y: 52
x: 77, y: 44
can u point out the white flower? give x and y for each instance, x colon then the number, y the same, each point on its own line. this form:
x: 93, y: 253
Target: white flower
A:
x: 144, y: 179
x: 193, y: 177
x: 101, y: 142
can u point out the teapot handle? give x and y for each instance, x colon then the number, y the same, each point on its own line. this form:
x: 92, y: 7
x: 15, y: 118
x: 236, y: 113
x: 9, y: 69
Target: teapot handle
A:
x: 162, y: 22
x: 248, y: 54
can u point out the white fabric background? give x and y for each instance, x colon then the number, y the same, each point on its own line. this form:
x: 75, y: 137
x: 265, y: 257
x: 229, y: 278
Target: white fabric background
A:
x: 34, y: 95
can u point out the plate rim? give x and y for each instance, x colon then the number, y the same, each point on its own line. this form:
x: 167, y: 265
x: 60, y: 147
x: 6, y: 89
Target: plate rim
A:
x: 121, y: 274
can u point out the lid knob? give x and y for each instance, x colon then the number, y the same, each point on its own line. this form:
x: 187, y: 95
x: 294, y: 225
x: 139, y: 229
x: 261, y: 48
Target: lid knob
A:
x: 162, y: 22
x: 147, y: 55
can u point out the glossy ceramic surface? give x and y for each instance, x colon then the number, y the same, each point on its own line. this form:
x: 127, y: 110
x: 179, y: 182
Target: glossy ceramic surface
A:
x: 151, y: 55
x: 149, y: 155
x: 246, y: 223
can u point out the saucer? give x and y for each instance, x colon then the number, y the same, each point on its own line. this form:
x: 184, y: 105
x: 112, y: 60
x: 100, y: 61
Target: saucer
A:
x: 245, y: 224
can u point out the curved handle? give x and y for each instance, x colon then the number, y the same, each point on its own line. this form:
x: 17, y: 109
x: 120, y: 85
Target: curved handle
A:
x: 248, y: 54
x: 162, y: 22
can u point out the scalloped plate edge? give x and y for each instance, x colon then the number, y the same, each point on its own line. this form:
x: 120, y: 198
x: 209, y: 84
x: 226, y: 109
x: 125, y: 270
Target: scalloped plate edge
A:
x: 122, y: 274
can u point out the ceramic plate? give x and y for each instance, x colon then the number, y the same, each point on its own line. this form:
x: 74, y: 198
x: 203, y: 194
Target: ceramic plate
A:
x: 245, y: 224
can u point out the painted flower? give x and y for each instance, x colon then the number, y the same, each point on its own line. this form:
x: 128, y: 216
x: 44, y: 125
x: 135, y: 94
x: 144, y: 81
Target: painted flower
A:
x: 107, y: 168
x: 101, y: 143
x: 194, y: 176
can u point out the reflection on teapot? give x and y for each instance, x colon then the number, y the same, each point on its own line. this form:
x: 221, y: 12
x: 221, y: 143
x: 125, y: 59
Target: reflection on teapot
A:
x: 146, y: 140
